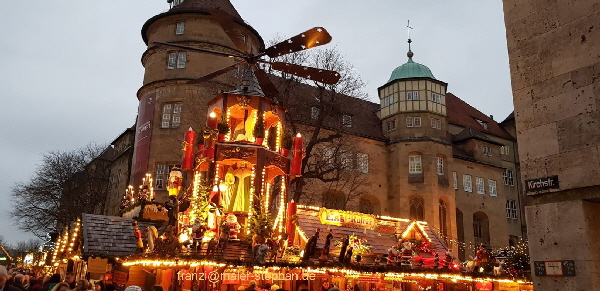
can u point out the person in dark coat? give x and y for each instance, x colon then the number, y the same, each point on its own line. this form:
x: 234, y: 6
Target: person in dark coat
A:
x: 55, y: 279
x: 18, y: 282
x: 345, y: 244
x: 3, y: 279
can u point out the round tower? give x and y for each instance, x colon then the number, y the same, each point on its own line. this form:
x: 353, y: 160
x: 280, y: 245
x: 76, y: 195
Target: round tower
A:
x: 169, y: 103
x: 413, y: 115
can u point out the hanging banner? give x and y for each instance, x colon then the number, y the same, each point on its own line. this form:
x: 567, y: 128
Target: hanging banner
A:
x: 143, y: 136
x: 97, y: 265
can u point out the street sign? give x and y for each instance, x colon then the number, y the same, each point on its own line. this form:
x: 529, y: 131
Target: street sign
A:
x: 540, y: 184
x: 565, y: 268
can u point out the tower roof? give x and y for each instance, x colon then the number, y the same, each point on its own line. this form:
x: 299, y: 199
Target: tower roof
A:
x: 410, y: 69
x: 208, y: 5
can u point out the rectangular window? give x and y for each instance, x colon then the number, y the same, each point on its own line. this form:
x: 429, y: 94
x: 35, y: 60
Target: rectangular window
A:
x: 171, y: 115
x: 467, y: 183
x: 436, y: 98
x: 487, y: 151
x: 417, y: 121
x: 172, y: 59
x: 166, y: 116
x: 513, y: 209
x: 508, y: 178
x: 482, y: 123
x: 508, y: 212
x: 176, y: 115
x: 440, y: 166
x: 346, y: 161
x: 480, y: 185
x: 391, y: 125
x: 409, y: 122
x: 181, y: 60
x: 502, y: 150
x: 412, y: 95
x: 389, y: 100
x: 492, y: 186
x: 328, y: 156
x: 362, y: 163
x: 436, y: 123
x: 179, y: 28
x: 414, y: 165
x: 314, y: 112
x: 347, y: 120
x: 454, y: 177
x: 161, y: 170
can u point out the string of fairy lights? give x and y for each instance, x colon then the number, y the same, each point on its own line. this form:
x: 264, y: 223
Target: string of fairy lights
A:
x: 348, y: 273
x: 65, y: 244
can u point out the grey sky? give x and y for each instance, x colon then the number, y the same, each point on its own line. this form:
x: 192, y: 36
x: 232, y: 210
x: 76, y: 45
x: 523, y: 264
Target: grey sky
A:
x: 70, y: 69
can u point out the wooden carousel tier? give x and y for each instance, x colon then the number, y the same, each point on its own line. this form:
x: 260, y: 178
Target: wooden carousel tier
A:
x: 252, y: 154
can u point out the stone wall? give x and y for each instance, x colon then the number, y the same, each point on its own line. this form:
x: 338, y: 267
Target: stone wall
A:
x: 555, y: 68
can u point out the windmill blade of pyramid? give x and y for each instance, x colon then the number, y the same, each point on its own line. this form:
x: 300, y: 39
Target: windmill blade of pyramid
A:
x: 217, y: 73
x: 315, y: 74
x: 311, y: 38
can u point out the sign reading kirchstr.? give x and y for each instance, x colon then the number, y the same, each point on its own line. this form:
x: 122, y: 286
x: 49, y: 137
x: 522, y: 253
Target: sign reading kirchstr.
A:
x: 541, y: 184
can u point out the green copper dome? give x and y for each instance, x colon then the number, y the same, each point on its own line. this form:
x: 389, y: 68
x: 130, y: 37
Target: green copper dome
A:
x: 411, y: 70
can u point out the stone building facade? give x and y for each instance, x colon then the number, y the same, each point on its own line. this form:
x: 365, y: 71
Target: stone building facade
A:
x: 555, y: 67
x: 419, y: 153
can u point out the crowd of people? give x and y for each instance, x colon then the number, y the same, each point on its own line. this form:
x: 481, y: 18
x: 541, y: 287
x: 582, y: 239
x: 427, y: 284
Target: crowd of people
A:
x: 14, y: 280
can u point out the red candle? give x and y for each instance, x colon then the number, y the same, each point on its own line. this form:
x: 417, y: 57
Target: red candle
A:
x: 212, y: 121
x: 290, y: 228
x: 188, y: 154
x: 297, y: 155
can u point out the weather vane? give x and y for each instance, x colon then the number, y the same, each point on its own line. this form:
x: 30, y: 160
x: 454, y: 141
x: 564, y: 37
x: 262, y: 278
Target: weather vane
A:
x: 409, y: 28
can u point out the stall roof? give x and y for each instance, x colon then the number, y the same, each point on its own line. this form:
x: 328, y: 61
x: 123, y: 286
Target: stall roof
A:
x: 308, y: 221
x: 109, y: 236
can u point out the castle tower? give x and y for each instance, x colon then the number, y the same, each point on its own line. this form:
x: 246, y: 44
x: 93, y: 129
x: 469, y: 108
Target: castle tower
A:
x: 413, y: 115
x: 169, y: 105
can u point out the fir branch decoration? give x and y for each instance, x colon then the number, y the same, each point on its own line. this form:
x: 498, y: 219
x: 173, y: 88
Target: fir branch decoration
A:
x: 288, y: 140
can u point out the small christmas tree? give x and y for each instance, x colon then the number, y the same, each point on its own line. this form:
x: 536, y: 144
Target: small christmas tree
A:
x: 259, y: 126
x: 222, y: 126
x: 200, y: 202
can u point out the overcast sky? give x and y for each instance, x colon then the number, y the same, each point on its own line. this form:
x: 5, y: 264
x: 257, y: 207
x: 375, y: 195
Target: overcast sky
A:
x: 70, y: 69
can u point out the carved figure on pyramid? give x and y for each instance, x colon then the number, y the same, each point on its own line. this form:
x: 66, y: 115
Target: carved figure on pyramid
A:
x: 175, y: 181
x: 234, y: 226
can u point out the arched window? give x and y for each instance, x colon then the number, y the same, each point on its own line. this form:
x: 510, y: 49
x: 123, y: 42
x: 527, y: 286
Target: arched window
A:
x: 481, y: 227
x: 369, y: 204
x: 417, y: 208
x: 443, y: 219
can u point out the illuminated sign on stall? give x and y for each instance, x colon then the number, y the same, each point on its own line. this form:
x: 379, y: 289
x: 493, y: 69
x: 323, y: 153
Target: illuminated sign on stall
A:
x: 347, y: 218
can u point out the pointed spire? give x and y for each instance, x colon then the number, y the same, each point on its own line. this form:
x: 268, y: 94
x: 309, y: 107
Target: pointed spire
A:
x: 410, y: 54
